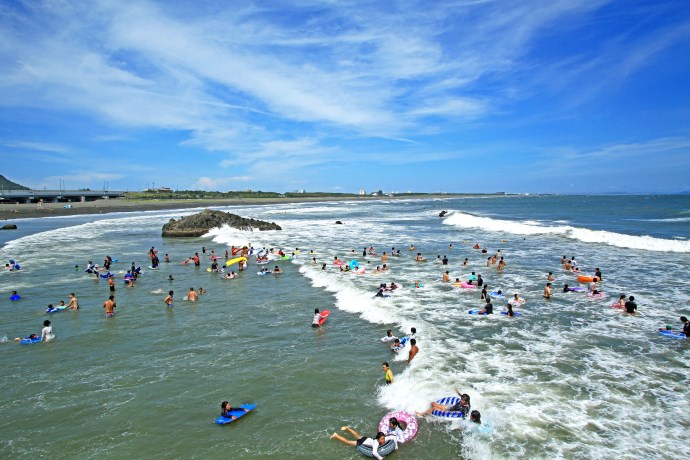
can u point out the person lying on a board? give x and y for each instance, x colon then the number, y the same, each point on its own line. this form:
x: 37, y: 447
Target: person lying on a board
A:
x: 226, y: 409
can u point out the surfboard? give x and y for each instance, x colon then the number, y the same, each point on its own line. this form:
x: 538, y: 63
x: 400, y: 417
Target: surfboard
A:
x: 324, y: 316
x: 239, y: 413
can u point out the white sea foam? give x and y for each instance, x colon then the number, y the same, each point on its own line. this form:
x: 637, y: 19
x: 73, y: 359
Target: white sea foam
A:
x: 646, y: 243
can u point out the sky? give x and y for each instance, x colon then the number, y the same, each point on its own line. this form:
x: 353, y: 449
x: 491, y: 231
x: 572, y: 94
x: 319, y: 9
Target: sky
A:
x: 525, y: 96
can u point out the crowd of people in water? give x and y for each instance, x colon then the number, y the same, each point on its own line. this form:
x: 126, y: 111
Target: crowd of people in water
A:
x: 241, y: 255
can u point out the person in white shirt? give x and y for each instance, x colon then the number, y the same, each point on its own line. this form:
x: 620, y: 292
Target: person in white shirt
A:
x: 317, y: 318
x: 395, y: 431
x: 378, y: 441
x: 47, y: 332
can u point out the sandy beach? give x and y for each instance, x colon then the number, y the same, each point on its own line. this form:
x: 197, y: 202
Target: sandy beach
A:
x: 10, y: 211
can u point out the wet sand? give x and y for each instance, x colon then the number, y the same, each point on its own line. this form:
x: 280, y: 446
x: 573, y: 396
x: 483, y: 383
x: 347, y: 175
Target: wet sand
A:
x: 29, y: 210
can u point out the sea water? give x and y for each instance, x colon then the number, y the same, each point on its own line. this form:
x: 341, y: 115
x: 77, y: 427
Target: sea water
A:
x: 570, y: 378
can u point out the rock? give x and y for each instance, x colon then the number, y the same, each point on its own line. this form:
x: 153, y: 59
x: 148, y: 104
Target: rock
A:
x: 338, y: 222
x: 200, y: 223
x: 442, y: 213
x: 9, y: 227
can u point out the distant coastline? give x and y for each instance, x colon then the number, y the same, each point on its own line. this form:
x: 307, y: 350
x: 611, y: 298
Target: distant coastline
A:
x: 31, y: 210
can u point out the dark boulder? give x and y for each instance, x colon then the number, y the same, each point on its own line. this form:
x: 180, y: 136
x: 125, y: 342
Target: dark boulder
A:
x: 442, y: 213
x: 200, y: 223
x: 338, y: 222
x: 9, y: 227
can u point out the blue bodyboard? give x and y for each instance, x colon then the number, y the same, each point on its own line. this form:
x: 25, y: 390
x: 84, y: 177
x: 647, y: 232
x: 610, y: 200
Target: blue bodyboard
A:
x: 28, y: 340
x: 225, y: 420
x: 673, y: 334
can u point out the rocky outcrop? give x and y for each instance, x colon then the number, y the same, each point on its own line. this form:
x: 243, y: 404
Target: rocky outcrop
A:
x: 200, y: 223
x: 9, y: 227
x: 442, y: 213
x: 338, y: 222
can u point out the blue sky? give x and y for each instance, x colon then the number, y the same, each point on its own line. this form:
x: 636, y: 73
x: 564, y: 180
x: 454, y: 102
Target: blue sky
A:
x: 456, y: 96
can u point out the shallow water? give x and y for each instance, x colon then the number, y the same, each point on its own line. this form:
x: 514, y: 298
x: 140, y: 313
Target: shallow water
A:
x: 571, y: 378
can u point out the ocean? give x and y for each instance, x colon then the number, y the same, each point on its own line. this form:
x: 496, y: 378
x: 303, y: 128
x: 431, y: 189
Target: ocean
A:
x: 571, y: 378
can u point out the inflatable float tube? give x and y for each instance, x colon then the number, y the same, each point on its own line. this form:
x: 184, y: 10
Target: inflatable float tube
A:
x: 411, y: 426
x: 360, y: 271
x: 264, y: 273
x: 515, y: 313
x: 263, y: 262
x: 105, y: 276
x: 476, y: 312
x: 517, y: 303
x: 673, y: 334
x: 421, y: 285
x: 585, y: 279
x: 338, y: 263
x: 354, y: 265
x: 237, y: 413
x: 600, y: 295
x: 465, y: 285
x: 235, y: 260
x: 26, y: 340
x: 617, y: 305
x: 496, y: 295
x: 448, y: 401
x: 15, y: 297
x: 576, y: 289
x: 151, y: 267
x: 383, y: 450
x: 56, y: 309
x: 404, y: 340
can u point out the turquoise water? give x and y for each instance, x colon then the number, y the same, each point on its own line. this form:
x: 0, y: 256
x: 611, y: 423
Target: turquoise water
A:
x: 571, y: 378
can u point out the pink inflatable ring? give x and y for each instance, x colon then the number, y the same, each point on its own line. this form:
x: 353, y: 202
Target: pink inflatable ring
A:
x: 408, y: 423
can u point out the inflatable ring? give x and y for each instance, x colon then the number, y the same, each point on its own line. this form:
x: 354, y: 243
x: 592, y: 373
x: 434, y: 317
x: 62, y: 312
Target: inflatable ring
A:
x: 465, y: 285
x: 448, y: 401
x: 383, y: 450
x: 406, y: 418
x: 15, y: 297
x: 354, y: 265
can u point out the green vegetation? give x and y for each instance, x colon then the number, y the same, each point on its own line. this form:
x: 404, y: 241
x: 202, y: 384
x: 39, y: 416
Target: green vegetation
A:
x: 6, y: 184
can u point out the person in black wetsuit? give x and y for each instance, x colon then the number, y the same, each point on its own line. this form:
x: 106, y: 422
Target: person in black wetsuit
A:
x: 226, y: 409
x: 630, y: 305
x: 488, y: 308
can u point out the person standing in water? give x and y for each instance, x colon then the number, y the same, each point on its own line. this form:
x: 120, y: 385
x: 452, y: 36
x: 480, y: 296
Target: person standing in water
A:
x: 109, y: 306
x: 388, y: 373
x: 169, y: 299
x: 73, y: 302
x: 414, y: 349
x: 547, y: 291
x: 191, y: 295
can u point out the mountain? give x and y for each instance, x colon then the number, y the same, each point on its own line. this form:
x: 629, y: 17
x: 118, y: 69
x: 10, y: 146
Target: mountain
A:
x: 6, y: 184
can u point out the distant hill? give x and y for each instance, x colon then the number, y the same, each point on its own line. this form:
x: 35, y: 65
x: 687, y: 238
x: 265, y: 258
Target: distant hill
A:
x: 6, y: 184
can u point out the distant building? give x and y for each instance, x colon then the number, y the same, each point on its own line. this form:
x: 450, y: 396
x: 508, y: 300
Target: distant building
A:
x: 362, y: 192
x: 379, y: 193
x: 299, y: 191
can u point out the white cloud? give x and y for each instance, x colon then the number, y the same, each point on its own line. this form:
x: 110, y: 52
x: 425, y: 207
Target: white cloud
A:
x: 221, y: 182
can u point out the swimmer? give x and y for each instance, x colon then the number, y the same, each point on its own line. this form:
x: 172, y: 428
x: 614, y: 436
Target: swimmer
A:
x: 277, y: 270
x: 488, y: 262
x: 630, y: 306
x: 597, y: 273
x: 412, y: 248
x: 111, y: 283
x: 191, y: 295
x: 389, y: 336
x: 419, y: 257
x: 444, y: 261
x: 593, y: 287
x: 313, y: 261
x: 417, y: 284
x: 621, y: 301
x: 480, y: 281
x: 323, y: 267
x: 414, y: 349
x: 109, y: 306
x: 202, y: 291
x: 74, y: 303
x: 388, y: 373
x: 394, y: 429
x: 229, y: 276
x: 461, y: 406
x: 547, y: 291
x: 550, y: 277
x: 509, y: 311
x: 446, y: 277
x: 376, y: 442
x: 517, y: 300
x: 485, y: 295
x: 317, y: 317
x: 168, y: 301
x: 488, y: 308
x: 501, y: 265
x: 465, y: 262
x: 438, y: 260
x: 476, y: 417
x: 167, y: 258
x: 384, y: 257
x: 170, y: 278
x: 47, y: 332
x: 226, y: 409
x: 396, y: 346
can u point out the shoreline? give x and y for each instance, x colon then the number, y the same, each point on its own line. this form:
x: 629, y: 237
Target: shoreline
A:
x: 10, y: 212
